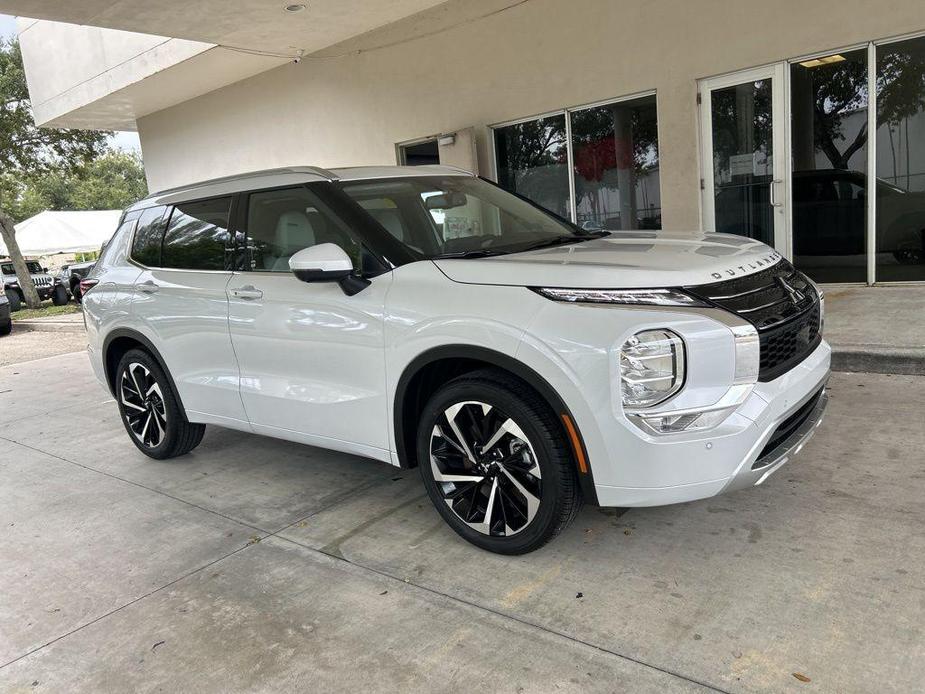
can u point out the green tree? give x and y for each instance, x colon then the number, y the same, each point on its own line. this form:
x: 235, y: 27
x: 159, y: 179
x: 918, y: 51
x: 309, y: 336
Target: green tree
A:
x: 112, y: 182
x: 28, y: 152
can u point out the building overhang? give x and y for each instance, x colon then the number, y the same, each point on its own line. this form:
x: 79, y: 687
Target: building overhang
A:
x: 99, y: 64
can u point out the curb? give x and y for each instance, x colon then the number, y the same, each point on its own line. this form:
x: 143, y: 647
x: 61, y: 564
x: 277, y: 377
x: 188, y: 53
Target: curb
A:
x: 879, y: 359
x: 50, y: 326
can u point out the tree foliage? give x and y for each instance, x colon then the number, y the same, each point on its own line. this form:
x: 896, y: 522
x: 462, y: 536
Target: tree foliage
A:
x: 111, y: 182
x: 28, y: 152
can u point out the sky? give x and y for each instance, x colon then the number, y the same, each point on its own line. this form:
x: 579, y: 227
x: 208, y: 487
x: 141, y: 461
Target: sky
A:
x: 121, y: 140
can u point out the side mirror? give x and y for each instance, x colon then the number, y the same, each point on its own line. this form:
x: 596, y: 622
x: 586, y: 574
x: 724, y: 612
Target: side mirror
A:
x: 327, y: 262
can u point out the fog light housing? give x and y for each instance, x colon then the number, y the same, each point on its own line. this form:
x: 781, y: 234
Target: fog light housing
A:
x: 651, y: 368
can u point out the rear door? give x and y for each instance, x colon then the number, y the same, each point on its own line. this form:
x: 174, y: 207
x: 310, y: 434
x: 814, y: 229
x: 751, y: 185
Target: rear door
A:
x: 180, y: 300
x: 311, y: 358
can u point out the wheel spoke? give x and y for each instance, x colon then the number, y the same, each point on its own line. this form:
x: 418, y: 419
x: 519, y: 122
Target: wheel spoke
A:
x: 533, y: 502
x: 143, y: 405
x: 451, y: 420
x: 485, y: 468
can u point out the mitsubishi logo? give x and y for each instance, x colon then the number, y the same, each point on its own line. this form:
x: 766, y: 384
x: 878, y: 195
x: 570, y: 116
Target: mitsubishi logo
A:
x: 795, y: 296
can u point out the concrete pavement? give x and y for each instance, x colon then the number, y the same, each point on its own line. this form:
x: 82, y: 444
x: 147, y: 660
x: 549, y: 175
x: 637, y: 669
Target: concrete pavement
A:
x: 876, y: 329
x: 254, y: 564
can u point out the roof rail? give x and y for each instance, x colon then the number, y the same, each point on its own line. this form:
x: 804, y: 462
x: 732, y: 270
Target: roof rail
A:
x: 317, y: 170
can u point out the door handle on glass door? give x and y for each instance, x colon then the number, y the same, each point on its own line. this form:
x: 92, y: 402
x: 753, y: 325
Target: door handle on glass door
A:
x: 148, y: 287
x: 774, y: 202
x: 248, y: 291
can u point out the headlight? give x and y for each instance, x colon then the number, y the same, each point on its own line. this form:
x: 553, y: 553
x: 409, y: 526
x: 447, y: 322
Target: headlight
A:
x: 650, y: 297
x: 651, y: 368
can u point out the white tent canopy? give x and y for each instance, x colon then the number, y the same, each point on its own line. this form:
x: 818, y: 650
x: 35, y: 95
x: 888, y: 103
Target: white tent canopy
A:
x: 53, y: 232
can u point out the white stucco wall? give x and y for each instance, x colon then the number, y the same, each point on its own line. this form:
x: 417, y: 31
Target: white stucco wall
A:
x: 540, y: 56
x: 68, y: 66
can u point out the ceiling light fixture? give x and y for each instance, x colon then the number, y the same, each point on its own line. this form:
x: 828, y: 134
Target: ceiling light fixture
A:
x: 827, y: 60
x: 294, y: 8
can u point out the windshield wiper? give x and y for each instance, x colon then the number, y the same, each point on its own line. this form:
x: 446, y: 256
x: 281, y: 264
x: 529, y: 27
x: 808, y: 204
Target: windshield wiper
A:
x: 475, y: 253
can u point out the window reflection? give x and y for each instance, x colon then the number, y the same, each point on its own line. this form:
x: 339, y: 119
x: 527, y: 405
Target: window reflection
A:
x: 743, y: 166
x: 197, y: 236
x: 533, y: 162
x: 900, y: 165
x: 829, y: 98
x: 615, y: 154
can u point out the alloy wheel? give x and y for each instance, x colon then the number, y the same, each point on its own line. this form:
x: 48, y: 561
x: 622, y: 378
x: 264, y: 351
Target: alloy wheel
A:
x: 143, y: 405
x: 485, y: 468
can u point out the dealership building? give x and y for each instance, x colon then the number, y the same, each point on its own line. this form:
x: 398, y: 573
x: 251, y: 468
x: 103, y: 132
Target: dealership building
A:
x: 798, y: 123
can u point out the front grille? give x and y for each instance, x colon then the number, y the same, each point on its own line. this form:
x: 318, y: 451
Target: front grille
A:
x: 782, y: 305
x: 41, y: 281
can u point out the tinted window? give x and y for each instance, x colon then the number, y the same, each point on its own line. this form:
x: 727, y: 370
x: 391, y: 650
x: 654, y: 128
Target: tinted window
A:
x: 282, y: 222
x: 533, y: 161
x: 615, y: 153
x: 146, y: 248
x: 197, y: 236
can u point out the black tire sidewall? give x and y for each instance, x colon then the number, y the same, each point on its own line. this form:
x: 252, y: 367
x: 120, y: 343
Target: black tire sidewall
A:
x: 166, y: 447
x: 549, y: 459
x: 15, y: 301
x: 59, y: 296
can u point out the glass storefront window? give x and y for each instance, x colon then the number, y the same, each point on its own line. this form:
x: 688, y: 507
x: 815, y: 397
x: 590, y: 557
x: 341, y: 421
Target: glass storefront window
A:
x: 615, y: 155
x: 900, y: 168
x: 532, y: 159
x: 829, y: 98
x: 743, y: 164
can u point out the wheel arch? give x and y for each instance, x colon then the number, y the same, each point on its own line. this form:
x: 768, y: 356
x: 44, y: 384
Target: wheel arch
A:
x: 426, y: 372
x: 120, y: 341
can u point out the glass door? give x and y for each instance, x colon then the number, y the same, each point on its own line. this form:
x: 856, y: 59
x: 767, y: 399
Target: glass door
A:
x: 744, y: 155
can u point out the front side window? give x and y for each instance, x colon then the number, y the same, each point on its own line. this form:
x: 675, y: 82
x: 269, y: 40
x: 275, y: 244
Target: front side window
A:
x: 33, y: 267
x: 282, y: 222
x: 146, y: 246
x: 458, y: 216
x: 197, y: 236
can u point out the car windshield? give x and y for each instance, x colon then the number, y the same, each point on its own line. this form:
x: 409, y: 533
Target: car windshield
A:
x: 34, y: 268
x: 459, y: 216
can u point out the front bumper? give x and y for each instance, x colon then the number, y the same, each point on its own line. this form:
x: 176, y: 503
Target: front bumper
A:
x: 743, y: 452
x: 769, y: 461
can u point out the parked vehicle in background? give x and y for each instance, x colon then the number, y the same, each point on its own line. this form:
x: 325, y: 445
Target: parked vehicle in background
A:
x: 425, y: 317
x: 6, y: 321
x: 71, y: 275
x: 48, y: 287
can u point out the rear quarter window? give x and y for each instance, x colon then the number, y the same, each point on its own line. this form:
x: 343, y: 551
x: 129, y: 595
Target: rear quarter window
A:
x: 146, y: 246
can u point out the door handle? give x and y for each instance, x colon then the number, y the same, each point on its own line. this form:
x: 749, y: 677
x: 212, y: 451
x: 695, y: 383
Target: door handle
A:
x: 774, y: 202
x: 248, y: 291
x: 148, y: 287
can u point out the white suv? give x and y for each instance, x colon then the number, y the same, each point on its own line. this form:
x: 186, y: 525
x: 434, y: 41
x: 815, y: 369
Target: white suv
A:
x: 425, y: 317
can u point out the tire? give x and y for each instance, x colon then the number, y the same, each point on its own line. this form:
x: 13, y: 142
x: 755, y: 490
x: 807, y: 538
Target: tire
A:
x: 527, y: 473
x: 15, y: 300
x: 6, y: 328
x: 909, y: 256
x: 59, y: 296
x: 146, y: 399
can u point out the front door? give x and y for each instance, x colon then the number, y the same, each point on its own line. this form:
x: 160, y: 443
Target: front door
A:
x: 312, y: 359
x: 744, y: 155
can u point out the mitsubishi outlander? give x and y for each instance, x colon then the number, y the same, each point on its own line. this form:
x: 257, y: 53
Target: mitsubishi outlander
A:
x: 427, y: 318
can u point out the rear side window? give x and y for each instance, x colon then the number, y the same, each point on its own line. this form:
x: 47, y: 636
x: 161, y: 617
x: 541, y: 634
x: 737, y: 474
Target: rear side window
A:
x: 146, y: 248
x: 197, y: 236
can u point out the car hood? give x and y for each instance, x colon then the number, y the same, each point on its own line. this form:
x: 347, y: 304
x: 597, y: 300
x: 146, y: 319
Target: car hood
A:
x: 623, y: 260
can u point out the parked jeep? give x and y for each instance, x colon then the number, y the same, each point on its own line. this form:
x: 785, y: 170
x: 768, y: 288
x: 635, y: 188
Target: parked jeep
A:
x: 47, y: 286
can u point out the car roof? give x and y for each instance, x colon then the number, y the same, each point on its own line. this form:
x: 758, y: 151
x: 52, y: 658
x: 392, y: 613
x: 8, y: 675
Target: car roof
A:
x: 292, y: 175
